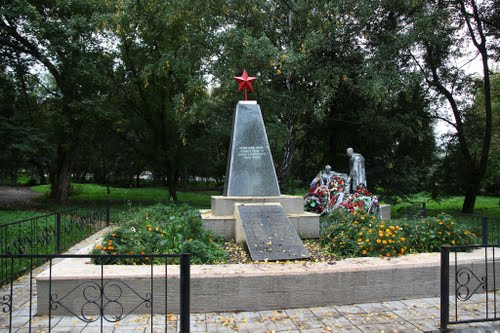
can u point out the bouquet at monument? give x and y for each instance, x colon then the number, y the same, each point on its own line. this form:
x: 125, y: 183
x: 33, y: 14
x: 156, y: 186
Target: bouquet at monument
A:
x: 330, y: 191
x: 362, y: 201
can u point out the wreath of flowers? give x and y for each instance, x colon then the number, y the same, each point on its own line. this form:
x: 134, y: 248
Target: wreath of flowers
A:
x: 362, y: 201
x: 325, y: 199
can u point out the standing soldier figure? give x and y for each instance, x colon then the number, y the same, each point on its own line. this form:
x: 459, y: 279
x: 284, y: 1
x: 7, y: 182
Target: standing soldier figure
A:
x: 356, y: 169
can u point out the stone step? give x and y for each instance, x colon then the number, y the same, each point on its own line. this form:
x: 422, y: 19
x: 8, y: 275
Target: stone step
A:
x: 306, y: 224
x: 222, y: 206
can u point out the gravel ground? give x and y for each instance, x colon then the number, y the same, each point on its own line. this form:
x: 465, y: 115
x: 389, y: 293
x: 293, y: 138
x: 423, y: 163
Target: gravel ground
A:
x: 16, y: 195
x: 239, y: 255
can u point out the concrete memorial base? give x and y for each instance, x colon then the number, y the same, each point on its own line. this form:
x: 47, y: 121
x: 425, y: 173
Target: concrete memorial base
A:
x: 221, y: 218
x: 252, y: 287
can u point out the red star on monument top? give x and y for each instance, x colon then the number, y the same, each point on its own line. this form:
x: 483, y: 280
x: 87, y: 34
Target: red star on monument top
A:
x: 245, y: 82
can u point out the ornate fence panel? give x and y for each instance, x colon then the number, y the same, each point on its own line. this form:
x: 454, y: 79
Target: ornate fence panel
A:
x: 469, y: 288
x: 47, y: 299
x: 47, y: 234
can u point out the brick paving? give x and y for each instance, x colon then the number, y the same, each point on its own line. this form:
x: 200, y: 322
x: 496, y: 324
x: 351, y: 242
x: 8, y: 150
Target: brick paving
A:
x: 416, y: 315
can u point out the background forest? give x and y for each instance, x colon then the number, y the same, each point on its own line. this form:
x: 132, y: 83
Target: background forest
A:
x: 102, y: 90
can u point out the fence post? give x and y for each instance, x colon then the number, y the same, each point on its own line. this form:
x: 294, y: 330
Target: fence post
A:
x: 107, y: 212
x: 58, y: 233
x: 445, y: 289
x: 484, y: 230
x: 424, y: 209
x: 185, y: 293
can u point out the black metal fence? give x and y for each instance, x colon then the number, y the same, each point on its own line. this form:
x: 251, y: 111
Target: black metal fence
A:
x: 486, y: 228
x: 100, y: 298
x: 468, y: 288
x: 48, y: 234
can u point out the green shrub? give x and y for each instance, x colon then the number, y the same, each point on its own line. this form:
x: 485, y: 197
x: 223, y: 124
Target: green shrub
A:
x: 363, y: 235
x: 162, y: 230
x: 355, y: 235
x: 430, y: 233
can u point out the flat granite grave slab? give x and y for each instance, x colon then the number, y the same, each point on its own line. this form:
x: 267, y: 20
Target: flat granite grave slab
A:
x: 250, y: 168
x: 268, y: 233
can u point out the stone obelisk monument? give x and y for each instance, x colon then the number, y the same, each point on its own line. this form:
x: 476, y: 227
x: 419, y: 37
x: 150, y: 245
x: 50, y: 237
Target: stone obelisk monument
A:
x: 251, y: 209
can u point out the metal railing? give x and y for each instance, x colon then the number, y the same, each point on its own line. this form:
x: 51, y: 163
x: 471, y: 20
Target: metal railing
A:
x: 102, y: 298
x: 473, y: 296
x: 48, y: 234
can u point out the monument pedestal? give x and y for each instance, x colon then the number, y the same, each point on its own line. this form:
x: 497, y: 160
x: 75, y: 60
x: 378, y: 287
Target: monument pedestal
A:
x: 221, y: 219
x: 252, y: 211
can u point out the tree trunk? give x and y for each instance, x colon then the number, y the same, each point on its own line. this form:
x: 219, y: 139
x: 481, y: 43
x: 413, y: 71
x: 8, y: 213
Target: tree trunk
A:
x: 60, y: 185
x: 471, y: 193
x: 184, y: 181
x: 286, y: 161
x: 172, y: 184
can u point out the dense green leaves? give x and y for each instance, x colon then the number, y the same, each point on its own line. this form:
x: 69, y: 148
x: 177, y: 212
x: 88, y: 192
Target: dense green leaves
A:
x: 120, y: 87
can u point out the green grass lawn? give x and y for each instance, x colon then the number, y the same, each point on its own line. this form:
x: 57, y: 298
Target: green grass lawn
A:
x: 7, y: 216
x: 93, y: 192
x: 486, y: 206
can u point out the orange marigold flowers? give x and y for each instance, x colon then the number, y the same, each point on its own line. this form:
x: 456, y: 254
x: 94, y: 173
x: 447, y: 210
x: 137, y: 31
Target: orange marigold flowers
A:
x: 402, y: 239
x: 98, y: 247
x: 113, y: 235
x: 142, y: 252
x: 379, y: 241
x: 392, y: 227
x: 111, y: 248
x: 360, y: 240
x: 362, y: 217
x: 361, y: 234
x: 363, y: 252
x: 104, y: 248
x: 367, y: 240
x: 387, y: 254
x: 150, y: 229
x: 384, y: 242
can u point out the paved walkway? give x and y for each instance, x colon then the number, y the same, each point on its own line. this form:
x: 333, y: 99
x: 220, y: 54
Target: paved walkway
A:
x: 417, y: 315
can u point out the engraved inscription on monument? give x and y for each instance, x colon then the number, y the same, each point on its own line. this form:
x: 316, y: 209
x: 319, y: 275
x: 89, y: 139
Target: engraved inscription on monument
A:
x: 269, y: 233
x: 252, y: 152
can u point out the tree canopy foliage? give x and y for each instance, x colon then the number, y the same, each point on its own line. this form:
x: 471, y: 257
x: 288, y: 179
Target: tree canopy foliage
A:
x: 109, y: 89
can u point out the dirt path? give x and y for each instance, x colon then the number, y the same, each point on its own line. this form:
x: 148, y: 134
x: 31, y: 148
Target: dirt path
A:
x: 12, y: 195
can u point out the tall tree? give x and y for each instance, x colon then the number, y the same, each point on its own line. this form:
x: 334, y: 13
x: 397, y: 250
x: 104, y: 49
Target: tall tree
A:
x: 437, y: 32
x: 66, y: 38
x: 162, y: 45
